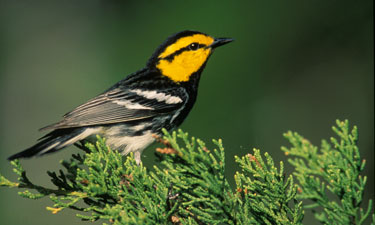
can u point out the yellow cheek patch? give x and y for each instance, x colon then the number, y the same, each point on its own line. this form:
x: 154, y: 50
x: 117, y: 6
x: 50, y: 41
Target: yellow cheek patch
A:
x: 184, y: 65
x: 185, y: 41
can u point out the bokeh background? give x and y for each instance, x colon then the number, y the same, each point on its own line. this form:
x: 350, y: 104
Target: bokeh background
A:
x: 295, y: 65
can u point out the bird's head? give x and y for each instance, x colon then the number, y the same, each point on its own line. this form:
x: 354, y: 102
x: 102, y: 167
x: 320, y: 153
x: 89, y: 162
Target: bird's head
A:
x: 184, y: 53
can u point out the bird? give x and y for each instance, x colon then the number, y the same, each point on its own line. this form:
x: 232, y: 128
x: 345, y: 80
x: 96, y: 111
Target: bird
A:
x: 133, y: 111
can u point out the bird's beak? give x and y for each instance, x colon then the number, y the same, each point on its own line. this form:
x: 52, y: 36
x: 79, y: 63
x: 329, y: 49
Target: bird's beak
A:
x: 220, y: 41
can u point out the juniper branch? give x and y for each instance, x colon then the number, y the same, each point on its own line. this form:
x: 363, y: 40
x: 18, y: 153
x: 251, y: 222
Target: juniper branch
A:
x: 189, y: 186
x: 335, y: 168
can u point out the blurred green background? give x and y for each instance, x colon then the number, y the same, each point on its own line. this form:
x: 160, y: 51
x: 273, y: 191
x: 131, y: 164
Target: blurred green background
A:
x: 295, y: 65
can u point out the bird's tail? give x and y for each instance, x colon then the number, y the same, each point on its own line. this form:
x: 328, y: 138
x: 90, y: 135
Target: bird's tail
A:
x: 54, y: 141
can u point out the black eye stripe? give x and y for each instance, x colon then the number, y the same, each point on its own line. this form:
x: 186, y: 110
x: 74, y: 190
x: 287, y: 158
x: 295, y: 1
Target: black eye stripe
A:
x: 181, y: 50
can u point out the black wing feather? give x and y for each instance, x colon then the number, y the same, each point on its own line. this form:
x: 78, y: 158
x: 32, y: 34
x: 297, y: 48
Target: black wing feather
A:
x: 104, y: 110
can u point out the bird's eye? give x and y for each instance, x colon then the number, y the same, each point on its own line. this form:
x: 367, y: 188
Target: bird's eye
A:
x: 193, y: 46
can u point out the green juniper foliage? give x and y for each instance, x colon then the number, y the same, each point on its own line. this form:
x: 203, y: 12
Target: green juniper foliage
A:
x: 336, y: 168
x: 189, y: 186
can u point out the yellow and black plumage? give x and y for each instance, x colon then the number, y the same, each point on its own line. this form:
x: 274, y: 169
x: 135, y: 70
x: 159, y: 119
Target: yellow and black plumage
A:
x: 136, y: 108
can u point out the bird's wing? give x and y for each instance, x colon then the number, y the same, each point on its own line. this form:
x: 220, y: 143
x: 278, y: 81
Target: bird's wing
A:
x: 119, y: 105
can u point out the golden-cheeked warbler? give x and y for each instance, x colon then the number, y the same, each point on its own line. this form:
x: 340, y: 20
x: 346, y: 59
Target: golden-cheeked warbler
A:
x: 134, y: 110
